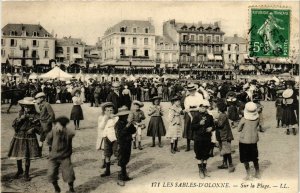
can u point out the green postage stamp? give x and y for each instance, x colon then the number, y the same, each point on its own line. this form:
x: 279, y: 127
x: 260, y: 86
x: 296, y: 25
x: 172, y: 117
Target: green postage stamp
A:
x: 269, y: 32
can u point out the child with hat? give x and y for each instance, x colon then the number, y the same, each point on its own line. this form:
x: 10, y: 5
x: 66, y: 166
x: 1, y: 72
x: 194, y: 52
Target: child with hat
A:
x: 248, y: 127
x: 124, y: 130
x: 224, y: 136
x: 174, y: 132
x: 289, y: 119
x: 202, y: 125
x: 76, y: 112
x: 24, y: 144
x: 136, y: 116
x: 279, y: 109
x: 60, y: 139
x: 106, y: 125
x: 156, y: 125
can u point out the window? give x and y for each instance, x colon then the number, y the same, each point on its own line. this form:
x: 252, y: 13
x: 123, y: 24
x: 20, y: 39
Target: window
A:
x: 123, y: 29
x: 217, y: 38
x: 12, y: 52
x: 184, y: 59
x: 35, y: 33
x: 122, y: 52
x: 237, y: 48
x: 134, y: 41
x: 47, y: 35
x: 158, y: 56
x: 2, y: 42
x: 146, y: 53
x: 237, y: 57
x: 192, y: 37
x: 228, y: 48
x: 46, y: 54
x: 185, y: 38
x: 35, y: 43
x: 34, y: 53
x: 192, y: 48
x: 13, y: 42
x: 13, y: 33
x: 193, y: 59
x: 134, y: 53
x: 122, y: 40
x: 24, y: 33
x: 229, y: 56
x: 68, y: 49
x: 217, y: 48
x: 2, y: 52
x: 146, y: 41
x: 146, y: 30
x: 75, y: 50
x: 134, y: 30
x: 209, y: 49
x: 201, y: 48
x: 201, y: 38
x: 46, y: 44
x: 201, y: 58
x: 208, y: 38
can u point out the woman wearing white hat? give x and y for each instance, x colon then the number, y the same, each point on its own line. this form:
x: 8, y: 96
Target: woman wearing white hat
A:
x: 289, y: 119
x: 248, y: 127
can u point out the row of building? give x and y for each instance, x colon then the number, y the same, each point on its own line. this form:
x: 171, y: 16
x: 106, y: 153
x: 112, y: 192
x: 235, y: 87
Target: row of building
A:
x: 128, y: 43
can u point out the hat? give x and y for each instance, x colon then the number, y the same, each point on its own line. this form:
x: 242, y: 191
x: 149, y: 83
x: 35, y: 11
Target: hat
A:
x: 156, y: 97
x: 107, y: 104
x: 62, y: 120
x: 175, y: 98
x: 27, y: 101
x: 250, y: 111
x: 205, y: 103
x: 287, y: 93
x: 123, y: 111
x: 116, y: 85
x: 191, y: 87
x: 136, y: 102
x: 39, y: 95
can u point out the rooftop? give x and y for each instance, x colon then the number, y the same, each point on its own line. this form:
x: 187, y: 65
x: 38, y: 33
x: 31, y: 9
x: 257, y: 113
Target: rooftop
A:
x: 69, y: 41
x: 18, y: 29
x: 235, y: 40
x: 128, y: 25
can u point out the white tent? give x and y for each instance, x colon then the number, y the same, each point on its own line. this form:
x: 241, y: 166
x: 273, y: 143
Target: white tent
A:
x: 56, y: 72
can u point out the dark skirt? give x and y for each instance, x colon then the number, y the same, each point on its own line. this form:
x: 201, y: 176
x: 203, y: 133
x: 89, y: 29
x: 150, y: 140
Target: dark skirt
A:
x: 156, y: 127
x: 24, y: 146
x: 233, y: 113
x: 127, y: 101
x: 202, y: 149
x: 188, y: 132
x: 279, y: 113
x: 76, y: 113
x: 248, y: 152
x: 288, y: 116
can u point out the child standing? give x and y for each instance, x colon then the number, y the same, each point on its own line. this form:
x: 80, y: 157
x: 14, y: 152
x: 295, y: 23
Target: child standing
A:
x: 24, y: 144
x: 279, y: 109
x: 248, y: 127
x: 124, y: 130
x: 174, y: 132
x: 136, y: 116
x: 289, y: 119
x: 202, y: 125
x: 60, y: 139
x: 156, y: 125
x: 76, y: 113
x: 224, y: 137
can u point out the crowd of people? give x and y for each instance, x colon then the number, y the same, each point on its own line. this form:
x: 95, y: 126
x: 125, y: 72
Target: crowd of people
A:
x: 201, y: 112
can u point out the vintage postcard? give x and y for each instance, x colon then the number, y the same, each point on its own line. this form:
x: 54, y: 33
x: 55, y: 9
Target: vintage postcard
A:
x: 150, y: 96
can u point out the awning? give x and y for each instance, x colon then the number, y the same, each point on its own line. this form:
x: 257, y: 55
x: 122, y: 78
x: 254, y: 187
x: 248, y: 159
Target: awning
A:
x: 77, y: 56
x: 218, y: 57
x: 210, y: 56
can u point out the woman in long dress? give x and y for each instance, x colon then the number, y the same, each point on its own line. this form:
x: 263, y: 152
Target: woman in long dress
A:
x: 76, y: 113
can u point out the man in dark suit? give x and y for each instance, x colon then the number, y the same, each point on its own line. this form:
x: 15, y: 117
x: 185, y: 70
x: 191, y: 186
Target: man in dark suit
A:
x: 116, y: 97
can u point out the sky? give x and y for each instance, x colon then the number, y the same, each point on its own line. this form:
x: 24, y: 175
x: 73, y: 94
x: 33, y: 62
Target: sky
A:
x: 89, y: 20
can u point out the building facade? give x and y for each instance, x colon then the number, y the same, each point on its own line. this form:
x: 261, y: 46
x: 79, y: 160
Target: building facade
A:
x: 69, y: 50
x: 129, y: 43
x: 235, y: 51
x: 199, y: 44
x: 26, y: 45
x: 166, y: 52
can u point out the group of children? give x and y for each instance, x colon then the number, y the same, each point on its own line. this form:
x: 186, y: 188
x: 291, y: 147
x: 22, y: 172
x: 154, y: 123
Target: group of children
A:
x: 117, y: 133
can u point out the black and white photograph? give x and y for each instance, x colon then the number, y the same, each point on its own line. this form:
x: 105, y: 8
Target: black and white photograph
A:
x: 150, y: 96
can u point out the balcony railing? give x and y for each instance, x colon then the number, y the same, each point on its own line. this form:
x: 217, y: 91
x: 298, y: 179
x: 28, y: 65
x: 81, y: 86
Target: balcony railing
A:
x: 201, y: 51
x: 24, y: 47
x: 134, y: 57
x: 185, y: 51
x: 15, y: 57
x: 217, y: 52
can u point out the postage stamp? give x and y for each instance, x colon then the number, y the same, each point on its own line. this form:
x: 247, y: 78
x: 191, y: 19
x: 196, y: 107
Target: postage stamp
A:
x: 269, y: 32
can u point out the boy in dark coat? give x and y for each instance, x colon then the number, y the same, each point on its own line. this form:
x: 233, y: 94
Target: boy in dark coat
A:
x: 124, y: 131
x: 60, y: 139
x: 202, y: 126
